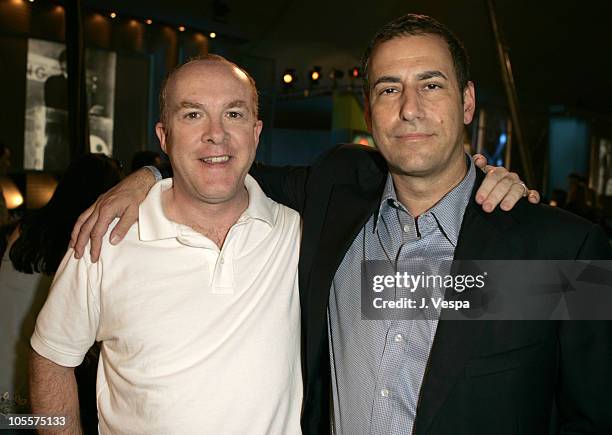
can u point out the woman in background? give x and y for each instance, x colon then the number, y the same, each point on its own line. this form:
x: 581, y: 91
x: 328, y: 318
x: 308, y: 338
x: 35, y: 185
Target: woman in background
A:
x: 34, y: 252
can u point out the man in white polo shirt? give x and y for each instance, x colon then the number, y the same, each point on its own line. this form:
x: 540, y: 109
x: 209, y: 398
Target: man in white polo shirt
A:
x: 198, y: 310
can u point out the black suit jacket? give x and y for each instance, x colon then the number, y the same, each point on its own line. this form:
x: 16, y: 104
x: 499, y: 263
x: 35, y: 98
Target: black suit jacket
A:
x: 483, y: 377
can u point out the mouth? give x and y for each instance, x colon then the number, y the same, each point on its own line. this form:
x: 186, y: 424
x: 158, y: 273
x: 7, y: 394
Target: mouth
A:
x: 414, y: 136
x: 216, y: 160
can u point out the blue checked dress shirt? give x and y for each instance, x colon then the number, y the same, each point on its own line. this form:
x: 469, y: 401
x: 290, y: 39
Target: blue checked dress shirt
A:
x: 378, y: 365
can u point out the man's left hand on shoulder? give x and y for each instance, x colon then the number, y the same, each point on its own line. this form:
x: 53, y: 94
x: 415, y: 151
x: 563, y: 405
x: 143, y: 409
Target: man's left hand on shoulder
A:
x: 501, y: 186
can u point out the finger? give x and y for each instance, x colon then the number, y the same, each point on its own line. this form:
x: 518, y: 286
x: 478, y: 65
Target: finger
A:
x: 129, y: 217
x: 479, y: 160
x: 515, y: 194
x: 534, y: 197
x: 74, y: 235
x: 97, y: 233
x: 84, y: 232
x: 497, y: 194
x: 494, y: 175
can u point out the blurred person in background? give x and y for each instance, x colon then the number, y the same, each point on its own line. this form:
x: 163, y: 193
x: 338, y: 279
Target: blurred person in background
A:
x: 34, y: 252
x: 578, y: 198
x: 57, y: 149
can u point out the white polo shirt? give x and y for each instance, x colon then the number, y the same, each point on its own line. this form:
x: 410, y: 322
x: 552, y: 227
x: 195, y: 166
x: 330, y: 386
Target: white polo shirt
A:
x: 194, y: 340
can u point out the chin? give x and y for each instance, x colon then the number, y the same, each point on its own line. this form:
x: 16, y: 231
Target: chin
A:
x: 414, y: 165
x: 213, y: 197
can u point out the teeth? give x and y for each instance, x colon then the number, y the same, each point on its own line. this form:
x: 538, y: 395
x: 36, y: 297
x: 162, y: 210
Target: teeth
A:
x: 218, y: 159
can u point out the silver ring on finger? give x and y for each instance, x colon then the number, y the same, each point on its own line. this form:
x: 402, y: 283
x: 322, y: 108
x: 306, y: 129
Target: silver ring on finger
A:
x: 524, y: 186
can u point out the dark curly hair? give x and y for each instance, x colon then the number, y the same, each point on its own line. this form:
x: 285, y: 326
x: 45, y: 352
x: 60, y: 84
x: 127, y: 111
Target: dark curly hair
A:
x: 45, y: 233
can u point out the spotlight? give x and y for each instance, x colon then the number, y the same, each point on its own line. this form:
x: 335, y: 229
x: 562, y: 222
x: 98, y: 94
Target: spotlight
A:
x: 355, y: 73
x: 212, y: 35
x: 149, y: 21
x: 181, y: 28
x: 289, y: 77
x: 31, y: 1
x: 113, y: 15
x: 315, y: 75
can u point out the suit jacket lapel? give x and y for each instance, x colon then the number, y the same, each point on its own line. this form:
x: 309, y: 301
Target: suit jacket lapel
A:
x: 481, y: 237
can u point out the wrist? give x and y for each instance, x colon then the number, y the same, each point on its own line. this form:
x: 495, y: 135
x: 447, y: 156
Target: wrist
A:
x: 154, y: 171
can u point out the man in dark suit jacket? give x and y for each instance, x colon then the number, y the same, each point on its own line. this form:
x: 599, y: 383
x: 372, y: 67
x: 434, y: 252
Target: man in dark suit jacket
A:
x: 483, y: 377
x: 480, y: 377
x: 476, y: 377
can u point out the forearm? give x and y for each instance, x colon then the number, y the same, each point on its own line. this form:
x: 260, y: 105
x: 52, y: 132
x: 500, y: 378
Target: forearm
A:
x: 142, y: 179
x: 53, y: 392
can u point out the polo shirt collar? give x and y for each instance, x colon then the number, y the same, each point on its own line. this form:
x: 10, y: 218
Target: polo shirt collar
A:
x: 260, y: 206
x: 154, y: 225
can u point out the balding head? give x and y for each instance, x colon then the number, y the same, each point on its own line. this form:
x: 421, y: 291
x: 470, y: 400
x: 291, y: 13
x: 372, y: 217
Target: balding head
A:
x: 199, y: 61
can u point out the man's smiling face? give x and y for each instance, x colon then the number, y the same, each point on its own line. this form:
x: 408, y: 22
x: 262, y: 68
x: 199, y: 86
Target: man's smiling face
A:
x: 416, y: 108
x: 210, y: 130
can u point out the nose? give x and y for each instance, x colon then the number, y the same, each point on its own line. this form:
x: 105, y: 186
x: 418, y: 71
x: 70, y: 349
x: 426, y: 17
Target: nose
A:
x: 411, y: 105
x: 214, y: 132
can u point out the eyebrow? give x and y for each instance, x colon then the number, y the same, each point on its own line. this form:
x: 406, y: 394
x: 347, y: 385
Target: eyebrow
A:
x: 386, y: 79
x: 425, y: 75
x: 189, y: 105
x: 238, y: 103
x: 193, y: 105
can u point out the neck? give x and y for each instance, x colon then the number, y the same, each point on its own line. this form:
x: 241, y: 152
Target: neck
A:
x: 213, y: 220
x: 420, y: 193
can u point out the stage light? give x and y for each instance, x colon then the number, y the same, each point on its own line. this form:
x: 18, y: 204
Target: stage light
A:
x: 212, y: 35
x: 181, y: 28
x: 315, y: 75
x: 355, y: 73
x: 289, y: 77
x: 31, y: 1
x: 113, y: 15
x: 149, y: 21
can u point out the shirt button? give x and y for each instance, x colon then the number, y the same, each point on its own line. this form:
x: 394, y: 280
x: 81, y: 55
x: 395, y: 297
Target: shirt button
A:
x: 221, y: 260
x: 406, y: 228
x: 384, y: 392
x: 398, y: 338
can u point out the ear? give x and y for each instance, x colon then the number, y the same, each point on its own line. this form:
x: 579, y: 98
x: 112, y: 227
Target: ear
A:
x: 160, y: 131
x: 257, y: 131
x: 469, y: 103
x: 367, y: 113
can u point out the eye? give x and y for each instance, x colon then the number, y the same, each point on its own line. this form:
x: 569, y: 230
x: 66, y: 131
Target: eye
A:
x: 234, y: 114
x: 432, y: 86
x: 388, y: 91
x: 193, y: 115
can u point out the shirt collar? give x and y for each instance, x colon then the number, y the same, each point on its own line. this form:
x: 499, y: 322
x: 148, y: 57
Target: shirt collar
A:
x: 260, y: 206
x: 154, y: 225
x: 448, y: 212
